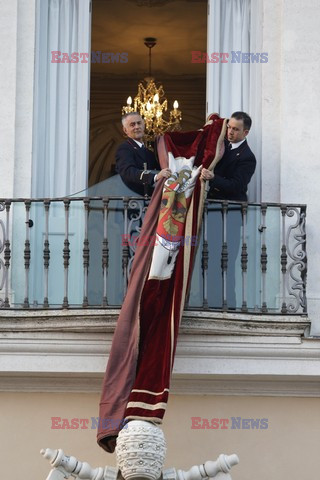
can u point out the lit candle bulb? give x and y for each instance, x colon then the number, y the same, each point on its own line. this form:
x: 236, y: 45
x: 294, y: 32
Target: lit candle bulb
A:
x: 129, y: 101
x: 156, y: 98
x: 148, y: 106
x: 175, y: 104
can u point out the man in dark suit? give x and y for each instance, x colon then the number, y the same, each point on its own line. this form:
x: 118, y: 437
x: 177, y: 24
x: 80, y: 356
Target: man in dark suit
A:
x: 135, y: 163
x: 231, y: 176
x: 229, y: 181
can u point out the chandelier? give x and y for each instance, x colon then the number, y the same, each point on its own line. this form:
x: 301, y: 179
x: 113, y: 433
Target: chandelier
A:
x: 151, y: 103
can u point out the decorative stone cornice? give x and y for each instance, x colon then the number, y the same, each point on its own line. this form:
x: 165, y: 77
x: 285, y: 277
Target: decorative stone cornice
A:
x: 221, y: 354
x: 195, y: 322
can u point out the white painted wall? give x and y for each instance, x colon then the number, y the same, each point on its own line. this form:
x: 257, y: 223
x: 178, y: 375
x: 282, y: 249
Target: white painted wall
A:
x: 287, y: 449
x: 24, y: 97
x: 291, y: 121
x: 17, y: 32
x: 300, y: 124
x: 271, y: 104
x: 8, y: 52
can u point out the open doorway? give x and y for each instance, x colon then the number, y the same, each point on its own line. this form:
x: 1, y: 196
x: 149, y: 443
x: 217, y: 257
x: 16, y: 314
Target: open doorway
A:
x: 180, y: 27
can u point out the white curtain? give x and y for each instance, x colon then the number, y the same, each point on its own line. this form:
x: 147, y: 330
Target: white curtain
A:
x: 236, y: 26
x: 61, y: 114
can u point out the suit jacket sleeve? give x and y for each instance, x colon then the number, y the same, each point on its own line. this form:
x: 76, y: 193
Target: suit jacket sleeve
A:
x: 238, y: 182
x: 126, y: 166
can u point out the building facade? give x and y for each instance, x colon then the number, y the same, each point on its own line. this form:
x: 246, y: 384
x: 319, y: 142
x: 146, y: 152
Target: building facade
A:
x: 257, y: 374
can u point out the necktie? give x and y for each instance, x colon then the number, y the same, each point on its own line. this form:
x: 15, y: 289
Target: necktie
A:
x: 230, y: 146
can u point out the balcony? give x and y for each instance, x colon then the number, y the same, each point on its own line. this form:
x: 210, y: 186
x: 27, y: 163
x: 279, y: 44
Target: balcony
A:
x: 64, y: 266
x: 77, y: 252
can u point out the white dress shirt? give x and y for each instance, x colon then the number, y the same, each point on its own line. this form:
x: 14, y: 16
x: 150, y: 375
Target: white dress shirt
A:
x: 236, y: 145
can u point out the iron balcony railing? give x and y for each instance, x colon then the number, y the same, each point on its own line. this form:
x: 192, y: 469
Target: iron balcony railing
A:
x: 77, y: 252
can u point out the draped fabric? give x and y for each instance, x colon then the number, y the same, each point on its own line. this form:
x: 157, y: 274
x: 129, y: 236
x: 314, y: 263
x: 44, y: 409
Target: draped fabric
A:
x: 61, y: 116
x: 137, y: 380
x: 230, y: 28
x: 236, y: 26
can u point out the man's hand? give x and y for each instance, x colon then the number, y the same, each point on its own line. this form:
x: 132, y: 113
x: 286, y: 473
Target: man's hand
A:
x: 206, y: 174
x: 164, y: 173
